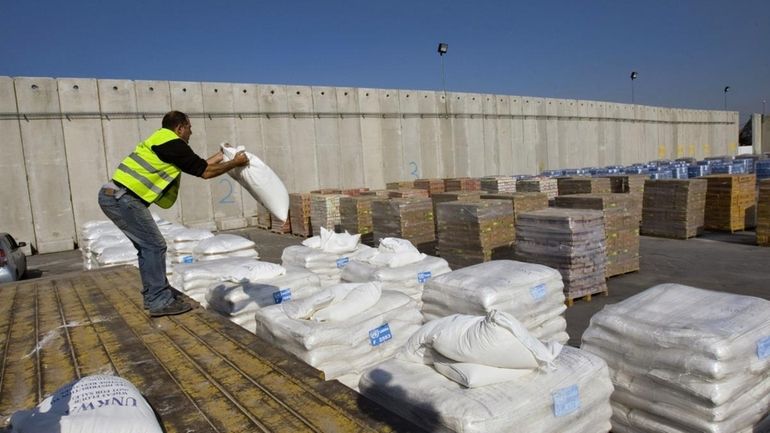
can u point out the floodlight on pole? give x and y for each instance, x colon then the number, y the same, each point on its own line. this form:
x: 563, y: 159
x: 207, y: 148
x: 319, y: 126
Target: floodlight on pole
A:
x: 634, y: 76
x: 442, y: 49
x: 727, y: 89
x: 764, y: 106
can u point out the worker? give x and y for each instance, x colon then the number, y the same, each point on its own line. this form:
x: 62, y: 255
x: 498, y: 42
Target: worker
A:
x: 151, y: 174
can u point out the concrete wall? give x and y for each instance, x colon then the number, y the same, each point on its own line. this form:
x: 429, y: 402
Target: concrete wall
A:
x: 60, y: 139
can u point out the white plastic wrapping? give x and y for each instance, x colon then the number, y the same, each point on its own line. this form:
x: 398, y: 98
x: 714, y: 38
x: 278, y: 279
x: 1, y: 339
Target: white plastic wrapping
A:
x: 573, y: 397
x: 223, y: 246
x: 685, y: 359
x: 331, y: 242
x: 260, y: 181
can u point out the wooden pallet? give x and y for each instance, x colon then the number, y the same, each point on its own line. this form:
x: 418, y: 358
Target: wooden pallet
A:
x: 587, y: 298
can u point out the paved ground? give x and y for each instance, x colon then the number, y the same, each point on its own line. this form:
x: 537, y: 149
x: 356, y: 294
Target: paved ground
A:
x: 716, y: 261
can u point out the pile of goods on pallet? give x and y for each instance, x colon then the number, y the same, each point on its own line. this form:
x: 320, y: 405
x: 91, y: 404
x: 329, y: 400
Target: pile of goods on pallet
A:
x: 521, y: 201
x: 431, y: 185
x: 571, y: 241
x: 402, y: 184
x: 674, y: 208
x: 324, y: 255
x: 462, y: 184
x: 397, y: 265
x: 197, y: 279
x: 621, y: 227
x: 224, y: 246
x: 356, y: 217
x: 487, y: 374
x: 533, y: 294
x: 405, y: 218
x: 583, y: 185
x: 498, y: 184
x: 684, y: 359
x: 299, y: 214
x: 544, y: 184
x: 408, y: 193
x: 763, y: 214
x: 324, y: 212
x: 471, y: 232
x: 342, y: 329
x: 728, y: 199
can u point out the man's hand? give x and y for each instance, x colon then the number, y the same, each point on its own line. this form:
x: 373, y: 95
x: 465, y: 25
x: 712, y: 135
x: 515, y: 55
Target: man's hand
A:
x: 216, y: 158
x: 241, y: 159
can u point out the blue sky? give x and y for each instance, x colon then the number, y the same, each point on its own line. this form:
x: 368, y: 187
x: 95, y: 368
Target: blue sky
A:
x: 685, y: 51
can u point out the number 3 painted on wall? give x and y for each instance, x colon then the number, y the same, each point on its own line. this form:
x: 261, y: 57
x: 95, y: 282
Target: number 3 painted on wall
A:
x: 413, y: 166
x: 228, y: 198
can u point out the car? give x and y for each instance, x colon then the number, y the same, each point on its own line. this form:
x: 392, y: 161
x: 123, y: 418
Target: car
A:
x: 13, y: 262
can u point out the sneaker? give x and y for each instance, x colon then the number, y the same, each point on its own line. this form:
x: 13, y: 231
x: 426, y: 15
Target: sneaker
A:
x: 175, y: 307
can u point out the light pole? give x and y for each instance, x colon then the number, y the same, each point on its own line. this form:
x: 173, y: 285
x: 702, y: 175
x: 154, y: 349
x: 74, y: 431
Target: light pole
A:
x: 634, y: 76
x: 727, y: 89
x: 442, y: 49
x: 764, y: 105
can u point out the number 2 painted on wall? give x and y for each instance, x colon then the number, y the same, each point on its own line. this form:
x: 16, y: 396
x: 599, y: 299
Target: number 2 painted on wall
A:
x: 228, y: 198
x: 414, y: 167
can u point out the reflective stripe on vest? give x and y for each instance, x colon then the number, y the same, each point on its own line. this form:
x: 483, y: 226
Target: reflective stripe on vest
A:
x: 147, y: 175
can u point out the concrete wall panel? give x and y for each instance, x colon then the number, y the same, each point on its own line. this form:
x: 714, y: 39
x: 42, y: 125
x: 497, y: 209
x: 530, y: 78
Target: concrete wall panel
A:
x: 552, y: 134
x: 46, y: 162
x: 492, y: 145
x: 431, y: 151
x: 392, y: 145
x: 571, y: 149
x: 84, y: 145
x: 248, y: 133
x: 153, y: 99
x: 17, y: 219
x: 587, y: 133
x: 350, y: 141
x: 121, y: 133
x: 504, y: 126
x: 371, y: 138
x: 196, y: 192
x: 524, y: 154
x: 460, y: 143
x: 327, y: 136
x: 474, y: 107
x: 225, y: 191
x: 534, y: 130
x: 601, y: 132
x: 410, y: 134
x: 297, y: 156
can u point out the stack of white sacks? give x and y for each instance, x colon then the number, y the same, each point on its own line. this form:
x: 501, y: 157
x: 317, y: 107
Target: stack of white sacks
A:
x: 197, y: 279
x: 103, y: 244
x: 224, y: 246
x: 531, y: 293
x: 342, y: 329
x: 686, y: 360
x: 487, y: 374
x: 181, y: 241
x: 326, y: 254
x: 397, y: 265
x: 250, y: 287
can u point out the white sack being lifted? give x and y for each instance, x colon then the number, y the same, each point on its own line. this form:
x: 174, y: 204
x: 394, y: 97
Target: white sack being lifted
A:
x: 260, y: 181
x: 531, y: 293
x: 686, y: 360
x: 104, y: 404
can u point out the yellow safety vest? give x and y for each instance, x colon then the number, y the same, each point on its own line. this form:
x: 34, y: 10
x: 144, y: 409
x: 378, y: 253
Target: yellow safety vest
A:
x: 147, y: 175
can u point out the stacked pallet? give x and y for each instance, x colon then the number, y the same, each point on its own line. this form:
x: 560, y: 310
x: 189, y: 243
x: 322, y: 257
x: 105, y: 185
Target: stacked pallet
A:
x: 356, y: 216
x: 400, y: 184
x: 326, y: 191
x: 433, y: 186
x: 472, y: 232
x: 632, y: 184
x: 621, y: 227
x: 763, y: 214
x: 498, y: 184
x: 376, y: 192
x: 570, y: 241
x: 674, y: 208
x: 281, y: 227
x: 583, y: 185
x: 454, y: 196
x: 299, y: 214
x: 521, y: 201
x: 406, y: 218
x: 728, y: 198
x: 353, y: 192
x: 325, y: 212
x: 263, y: 216
x: 408, y: 193
x: 462, y: 184
x: 547, y: 185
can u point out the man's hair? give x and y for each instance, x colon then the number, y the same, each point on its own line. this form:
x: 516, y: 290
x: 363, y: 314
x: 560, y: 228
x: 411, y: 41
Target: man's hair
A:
x: 172, y: 119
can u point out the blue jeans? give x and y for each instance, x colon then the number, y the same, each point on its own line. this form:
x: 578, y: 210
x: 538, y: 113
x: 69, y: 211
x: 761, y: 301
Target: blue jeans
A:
x: 135, y: 220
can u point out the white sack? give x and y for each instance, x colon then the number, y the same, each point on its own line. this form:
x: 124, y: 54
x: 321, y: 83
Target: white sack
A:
x: 336, y: 303
x: 260, y: 181
x: 331, y: 242
x: 223, y: 244
x: 249, y: 296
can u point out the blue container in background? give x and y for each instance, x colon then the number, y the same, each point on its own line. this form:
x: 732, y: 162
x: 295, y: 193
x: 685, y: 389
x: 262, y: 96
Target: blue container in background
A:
x: 553, y: 173
x: 722, y: 168
x: 698, y: 171
x: 762, y: 169
x: 679, y: 171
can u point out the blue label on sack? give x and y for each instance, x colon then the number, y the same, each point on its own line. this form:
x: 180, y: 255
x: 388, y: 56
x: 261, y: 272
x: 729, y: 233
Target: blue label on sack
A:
x: 566, y: 400
x: 763, y: 348
x: 538, y: 292
x: 187, y: 259
x: 423, y: 276
x: 341, y: 262
x: 282, y: 295
x: 380, y: 335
